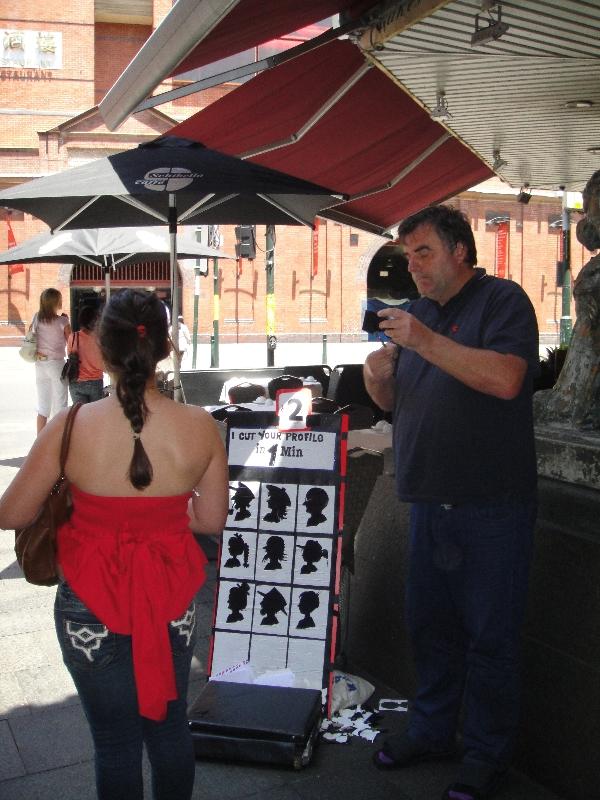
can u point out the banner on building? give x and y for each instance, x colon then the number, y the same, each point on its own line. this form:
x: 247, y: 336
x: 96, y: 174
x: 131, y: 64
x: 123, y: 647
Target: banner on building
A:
x: 12, y: 242
x: 502, y: 234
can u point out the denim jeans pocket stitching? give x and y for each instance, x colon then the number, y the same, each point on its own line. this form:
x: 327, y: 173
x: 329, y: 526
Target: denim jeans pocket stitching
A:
x: 93, y: 640
x: 86, y: 637
x: 185, y: 625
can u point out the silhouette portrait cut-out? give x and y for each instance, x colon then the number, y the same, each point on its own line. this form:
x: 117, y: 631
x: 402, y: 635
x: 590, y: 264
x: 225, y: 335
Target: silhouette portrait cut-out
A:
x: 308, y: 602
x: 272, y: 603
x: 274, y: 552
x: 312, y: 553
x: 278, y: 501
x: 238, y: 601
x: 237, y: 546
x: 240, y: 502
x: 315, y: 502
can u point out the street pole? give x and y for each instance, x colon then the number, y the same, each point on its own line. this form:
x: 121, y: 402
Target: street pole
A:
x: 214, y: 342
x: 566, y: 323
x: 270, y: 293
x: 196, y: 299
x: 106, y: 280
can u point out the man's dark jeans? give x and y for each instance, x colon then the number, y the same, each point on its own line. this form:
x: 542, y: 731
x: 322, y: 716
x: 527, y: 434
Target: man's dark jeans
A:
x: 466, y: 594
x: 100, y: 664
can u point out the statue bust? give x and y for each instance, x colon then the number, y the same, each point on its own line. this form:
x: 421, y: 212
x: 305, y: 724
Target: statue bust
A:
x: 575, y: 398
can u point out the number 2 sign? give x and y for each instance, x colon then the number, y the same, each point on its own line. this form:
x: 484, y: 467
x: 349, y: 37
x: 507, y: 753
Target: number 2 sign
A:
x: 292, y: 407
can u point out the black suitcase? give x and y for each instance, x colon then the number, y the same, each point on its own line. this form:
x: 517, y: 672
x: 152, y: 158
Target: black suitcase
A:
x: 249, y: 722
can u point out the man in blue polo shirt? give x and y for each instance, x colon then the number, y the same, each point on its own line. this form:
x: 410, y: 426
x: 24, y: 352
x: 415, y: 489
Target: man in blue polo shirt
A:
x: 457, y: 375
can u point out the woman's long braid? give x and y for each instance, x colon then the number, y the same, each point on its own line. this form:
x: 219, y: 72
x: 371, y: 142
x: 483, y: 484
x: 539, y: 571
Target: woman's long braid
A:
x: 133, y: 338
x: 130, y: 392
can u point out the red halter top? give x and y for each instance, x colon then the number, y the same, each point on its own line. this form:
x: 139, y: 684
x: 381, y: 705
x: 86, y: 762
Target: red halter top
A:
x: 134, y: 562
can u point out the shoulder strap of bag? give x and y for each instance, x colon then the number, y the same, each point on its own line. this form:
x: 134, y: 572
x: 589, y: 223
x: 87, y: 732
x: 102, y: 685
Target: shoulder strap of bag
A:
x: 34, y: 322
x: 66, y: 437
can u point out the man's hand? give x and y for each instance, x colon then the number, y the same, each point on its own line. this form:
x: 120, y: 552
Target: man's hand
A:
x: 404, y: 329
x: 380, y: 367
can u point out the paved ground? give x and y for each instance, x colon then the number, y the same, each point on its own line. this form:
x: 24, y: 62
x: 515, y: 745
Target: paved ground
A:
x: 45, y: 748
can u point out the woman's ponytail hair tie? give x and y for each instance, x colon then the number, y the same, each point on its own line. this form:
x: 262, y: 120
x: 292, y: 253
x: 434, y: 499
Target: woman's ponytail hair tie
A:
x: 141, y: 330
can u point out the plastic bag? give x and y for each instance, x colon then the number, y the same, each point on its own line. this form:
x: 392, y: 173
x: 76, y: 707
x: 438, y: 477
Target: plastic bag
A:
x: 349, y: 690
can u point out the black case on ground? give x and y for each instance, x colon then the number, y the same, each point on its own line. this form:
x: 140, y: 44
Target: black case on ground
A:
x: 249, y: 722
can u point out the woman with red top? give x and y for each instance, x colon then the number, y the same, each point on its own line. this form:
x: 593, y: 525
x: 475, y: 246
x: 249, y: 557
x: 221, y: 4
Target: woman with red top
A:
x: 144, y: 471
x: 90, y: 381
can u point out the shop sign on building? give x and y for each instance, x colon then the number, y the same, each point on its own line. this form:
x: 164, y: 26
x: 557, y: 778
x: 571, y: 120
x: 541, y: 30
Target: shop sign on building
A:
x: 30, y: 49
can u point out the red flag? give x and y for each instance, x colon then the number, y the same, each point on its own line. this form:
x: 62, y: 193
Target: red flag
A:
x: 12, y: 242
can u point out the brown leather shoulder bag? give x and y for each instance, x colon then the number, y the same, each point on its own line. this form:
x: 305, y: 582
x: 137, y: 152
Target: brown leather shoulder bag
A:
x: 35, y: 544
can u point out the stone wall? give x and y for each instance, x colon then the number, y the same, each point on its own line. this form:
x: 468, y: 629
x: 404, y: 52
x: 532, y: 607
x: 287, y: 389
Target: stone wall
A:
x: 559, y: 745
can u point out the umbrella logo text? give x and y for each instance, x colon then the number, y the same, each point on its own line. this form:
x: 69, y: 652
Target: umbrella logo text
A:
x: 168, y: 179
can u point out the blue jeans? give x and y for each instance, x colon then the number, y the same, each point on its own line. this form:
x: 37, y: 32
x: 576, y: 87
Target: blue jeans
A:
x: 86, y: 391
x: 466, y: 594
x: 100, y: 664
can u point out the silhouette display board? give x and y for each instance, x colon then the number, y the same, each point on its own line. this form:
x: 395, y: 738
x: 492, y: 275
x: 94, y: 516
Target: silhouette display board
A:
x: 278, y: 578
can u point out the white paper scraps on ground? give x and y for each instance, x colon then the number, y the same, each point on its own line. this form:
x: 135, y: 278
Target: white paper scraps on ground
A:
x: 338, y: 738
x: 350, y: 722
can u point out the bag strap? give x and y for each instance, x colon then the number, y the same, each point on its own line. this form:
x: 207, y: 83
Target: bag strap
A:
x: 66, y: 437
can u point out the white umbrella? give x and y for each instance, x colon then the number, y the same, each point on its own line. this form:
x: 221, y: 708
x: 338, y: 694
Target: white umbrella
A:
x: 108, y: 247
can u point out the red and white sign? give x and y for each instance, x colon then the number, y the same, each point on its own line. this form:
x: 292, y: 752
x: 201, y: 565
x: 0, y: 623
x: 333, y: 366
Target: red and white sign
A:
x: 502, y: 249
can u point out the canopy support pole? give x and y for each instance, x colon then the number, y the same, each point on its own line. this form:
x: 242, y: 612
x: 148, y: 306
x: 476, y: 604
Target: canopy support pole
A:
x: 106, y: 279
x: 270, y: 293
x: 566, y: 323
x: 177, y: 395
x: 214, y: 340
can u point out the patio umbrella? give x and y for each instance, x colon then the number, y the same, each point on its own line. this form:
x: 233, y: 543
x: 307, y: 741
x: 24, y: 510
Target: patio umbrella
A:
x: 107, y: 247
x: 169, y: 180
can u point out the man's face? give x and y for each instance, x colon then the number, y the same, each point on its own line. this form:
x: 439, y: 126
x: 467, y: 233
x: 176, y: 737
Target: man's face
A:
x: 438, y: 272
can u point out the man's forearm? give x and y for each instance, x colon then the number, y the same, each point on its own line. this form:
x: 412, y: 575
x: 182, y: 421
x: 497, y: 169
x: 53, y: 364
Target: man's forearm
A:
x: 487, y: 371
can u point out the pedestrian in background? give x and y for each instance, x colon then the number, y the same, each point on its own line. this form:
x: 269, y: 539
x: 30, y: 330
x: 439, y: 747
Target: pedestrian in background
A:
x: 184, y: 338
x: 144, y: 472
x: 52, y: 329
x: 458, y: 377
x: 89, y: 384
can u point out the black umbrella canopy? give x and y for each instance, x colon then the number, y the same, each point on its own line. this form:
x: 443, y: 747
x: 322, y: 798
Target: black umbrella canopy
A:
x: 136, y: 187
x: 108, y: 245
x: 170, y: 180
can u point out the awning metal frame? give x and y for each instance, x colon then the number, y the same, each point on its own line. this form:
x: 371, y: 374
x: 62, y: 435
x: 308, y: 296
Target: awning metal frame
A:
x: 312, y: 121
x: 252, y: 68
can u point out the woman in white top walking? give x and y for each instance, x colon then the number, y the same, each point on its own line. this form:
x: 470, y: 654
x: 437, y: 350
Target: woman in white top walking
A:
x: 52, y: 330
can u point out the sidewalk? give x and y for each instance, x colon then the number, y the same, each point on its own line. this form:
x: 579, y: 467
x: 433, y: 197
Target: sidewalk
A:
x: 45, y: 747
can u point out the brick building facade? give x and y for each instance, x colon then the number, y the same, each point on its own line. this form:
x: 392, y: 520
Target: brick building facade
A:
x: 58, y: 61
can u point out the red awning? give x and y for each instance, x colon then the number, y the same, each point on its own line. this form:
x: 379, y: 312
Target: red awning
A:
x: 345, y: 125
x: 254, y: 22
